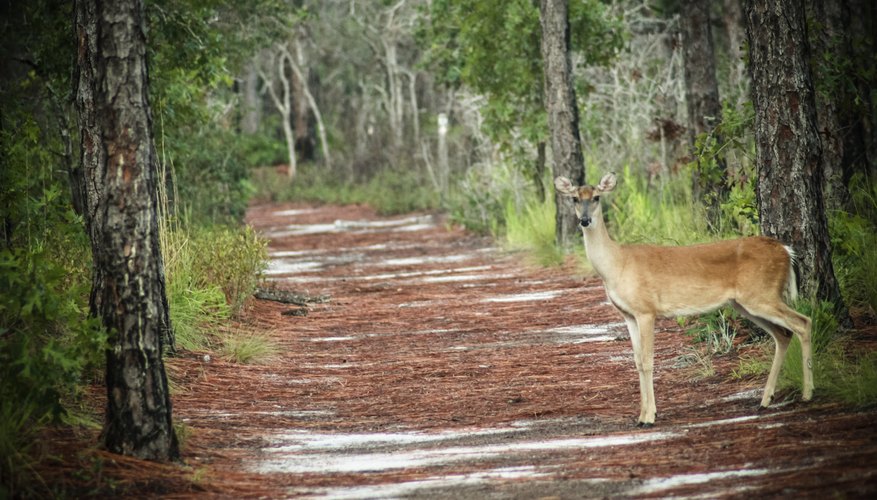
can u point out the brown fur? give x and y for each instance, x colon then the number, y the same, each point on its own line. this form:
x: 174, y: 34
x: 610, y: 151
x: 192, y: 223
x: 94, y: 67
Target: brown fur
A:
x: 646, y: 281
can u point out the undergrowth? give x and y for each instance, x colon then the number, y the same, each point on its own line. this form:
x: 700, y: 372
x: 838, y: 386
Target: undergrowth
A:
x: 388, y: 191
x: 211, y: 272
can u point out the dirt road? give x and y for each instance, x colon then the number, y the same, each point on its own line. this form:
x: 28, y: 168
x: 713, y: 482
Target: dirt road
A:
x: 444, y: 367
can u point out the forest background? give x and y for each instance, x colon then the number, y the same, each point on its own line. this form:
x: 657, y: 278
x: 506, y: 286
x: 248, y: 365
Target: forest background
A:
x: 407, y: 105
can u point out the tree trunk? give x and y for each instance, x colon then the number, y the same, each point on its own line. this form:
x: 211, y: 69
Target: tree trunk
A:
x: 539, y: 171
x: 305, y: 143
x: 733, y: 21
x: 839, y: 127
x: 704, y: 108
x: 863, y: 31
x: 119, y: 165
x: 251, y: 103
x: 788, y: 152
x: 563, y: 113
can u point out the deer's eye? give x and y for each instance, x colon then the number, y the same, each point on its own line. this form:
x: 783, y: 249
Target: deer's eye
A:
x: 596, y: 198
x: 575, y: 199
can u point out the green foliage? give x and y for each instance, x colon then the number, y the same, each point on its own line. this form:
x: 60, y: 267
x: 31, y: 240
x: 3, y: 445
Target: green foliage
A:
x: 196, y: 48
x: 854, y: 247
x: 388, y: 191
x: 47, y: 344
x: 248, y: 348
x: 494, y: 48
x: 531, y: 228
x: 47, y: 347
x: 638, y: 214
x: 231, y: 258
x: 484, y: 192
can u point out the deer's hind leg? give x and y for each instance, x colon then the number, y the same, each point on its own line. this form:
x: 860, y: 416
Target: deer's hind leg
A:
x: 778, y: 320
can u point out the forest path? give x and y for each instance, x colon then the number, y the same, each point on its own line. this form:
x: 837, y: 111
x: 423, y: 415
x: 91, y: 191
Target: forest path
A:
x: 444, y: 367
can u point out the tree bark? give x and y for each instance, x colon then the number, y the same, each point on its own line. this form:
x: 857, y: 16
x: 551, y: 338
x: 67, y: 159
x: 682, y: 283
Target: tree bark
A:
x: 704, y: 107
x: 863, y: 31
x: 843, y: 145
x: 563, y: 113
x: 119, y: 165
x: 251, y: 102
x: 788, y: 151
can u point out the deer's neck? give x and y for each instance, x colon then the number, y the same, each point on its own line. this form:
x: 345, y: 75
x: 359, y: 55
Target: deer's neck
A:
x: 603, y: 251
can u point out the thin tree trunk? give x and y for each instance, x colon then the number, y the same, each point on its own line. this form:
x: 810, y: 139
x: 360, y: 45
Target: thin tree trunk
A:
x: 312, y: 104
x: 788, y: 152
x: 283, y: 103
x: 704, y: 108
x: 251, y: 104
x: 119, y: 164
x: 301, y: 112
x: 563, y: 113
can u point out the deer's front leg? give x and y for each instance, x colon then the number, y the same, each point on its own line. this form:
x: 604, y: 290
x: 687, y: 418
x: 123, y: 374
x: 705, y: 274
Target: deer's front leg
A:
x: 645, y: 366
x: 633, y: 330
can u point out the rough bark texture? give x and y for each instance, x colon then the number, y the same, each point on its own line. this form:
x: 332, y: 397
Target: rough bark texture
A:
x: 841, y: 131
x: 563, y: 113
x: 702, y: 97
x: 788, y: 153
x: 863, y: 32
x: 128, y: 289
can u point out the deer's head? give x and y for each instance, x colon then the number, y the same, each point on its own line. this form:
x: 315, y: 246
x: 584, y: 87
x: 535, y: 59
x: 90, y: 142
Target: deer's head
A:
x: 586, y: 198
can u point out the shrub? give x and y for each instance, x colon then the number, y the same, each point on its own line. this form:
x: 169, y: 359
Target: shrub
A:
x: 47, y: 347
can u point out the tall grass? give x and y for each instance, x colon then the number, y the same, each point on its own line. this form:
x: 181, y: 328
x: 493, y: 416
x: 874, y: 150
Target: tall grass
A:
x: 531, y: 228
x: 854, y: 247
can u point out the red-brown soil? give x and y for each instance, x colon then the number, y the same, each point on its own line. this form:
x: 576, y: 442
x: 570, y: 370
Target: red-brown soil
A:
x: 444, y: 367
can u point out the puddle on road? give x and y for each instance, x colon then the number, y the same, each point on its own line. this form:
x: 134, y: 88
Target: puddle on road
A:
x: 577, y: 334
x: 525, y: 297
x: 657, y: 485
x: 416, y: 223
x: 397, y: 490
x: 281, y: 266
x: 294, y: 211
x: 425, y: 259
x: 351, y: 453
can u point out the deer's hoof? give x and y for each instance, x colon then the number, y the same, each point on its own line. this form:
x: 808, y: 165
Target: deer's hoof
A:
x: 645, y: 425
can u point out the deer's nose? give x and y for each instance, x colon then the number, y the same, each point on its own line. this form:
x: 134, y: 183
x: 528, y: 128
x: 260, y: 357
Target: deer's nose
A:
x: 585, y: 221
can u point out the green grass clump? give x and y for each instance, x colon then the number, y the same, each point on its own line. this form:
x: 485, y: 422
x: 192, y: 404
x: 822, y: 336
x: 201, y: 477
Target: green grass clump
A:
x: 211, y: 271
x: 230, y: 258
x: 532, y: 229
x: 248, y: 348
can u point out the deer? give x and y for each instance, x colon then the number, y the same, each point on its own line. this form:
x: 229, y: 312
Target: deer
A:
x: 754, y: 275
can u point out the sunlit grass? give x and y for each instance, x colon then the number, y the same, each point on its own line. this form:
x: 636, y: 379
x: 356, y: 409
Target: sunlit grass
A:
x: 531, y: 228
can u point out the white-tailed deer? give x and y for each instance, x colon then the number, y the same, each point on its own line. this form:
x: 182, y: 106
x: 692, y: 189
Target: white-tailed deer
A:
x: 646, y: 281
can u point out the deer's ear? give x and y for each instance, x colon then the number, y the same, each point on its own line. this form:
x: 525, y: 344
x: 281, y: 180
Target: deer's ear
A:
x: 564, y: 186
x: 607, y: 183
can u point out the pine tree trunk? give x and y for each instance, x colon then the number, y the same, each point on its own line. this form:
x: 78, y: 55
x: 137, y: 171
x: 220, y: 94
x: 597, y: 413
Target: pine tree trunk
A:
x: 119, y: 164
x: 563, y: 113
x: 704, y: 107
x: 788, y: 152
x: 843, y: 145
